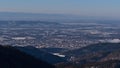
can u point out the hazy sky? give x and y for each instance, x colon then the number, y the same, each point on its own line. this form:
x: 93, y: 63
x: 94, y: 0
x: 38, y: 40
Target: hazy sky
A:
x: 109, y: 8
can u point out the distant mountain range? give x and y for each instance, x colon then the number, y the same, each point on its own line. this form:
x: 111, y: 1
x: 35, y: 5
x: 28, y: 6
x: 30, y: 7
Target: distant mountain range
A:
x: 26, y: 24
x: 44, y: 17
x: 36, y: 16
x: 67, y: 18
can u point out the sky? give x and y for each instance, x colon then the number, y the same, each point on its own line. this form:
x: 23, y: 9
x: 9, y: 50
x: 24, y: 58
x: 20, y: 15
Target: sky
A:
x: 106, y: 8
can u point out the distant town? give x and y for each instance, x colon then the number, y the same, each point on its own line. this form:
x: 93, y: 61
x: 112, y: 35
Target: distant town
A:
x: 57, y: 35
